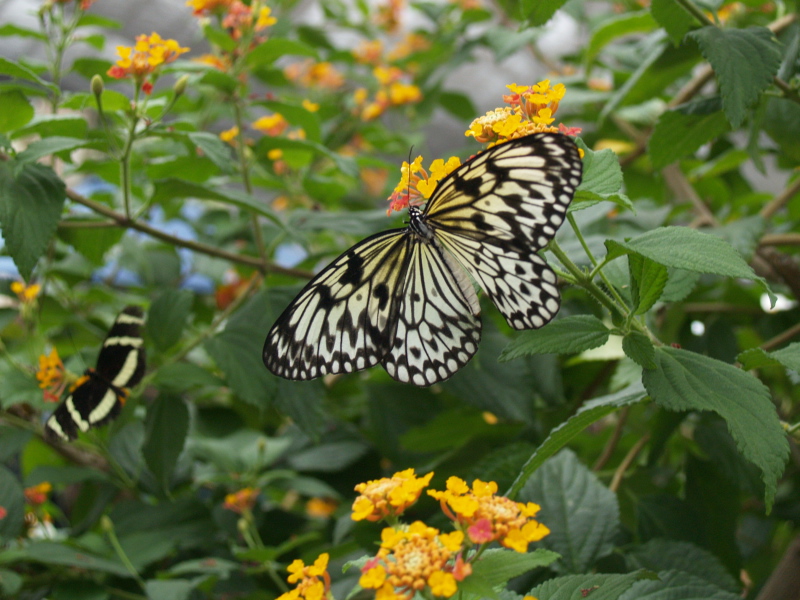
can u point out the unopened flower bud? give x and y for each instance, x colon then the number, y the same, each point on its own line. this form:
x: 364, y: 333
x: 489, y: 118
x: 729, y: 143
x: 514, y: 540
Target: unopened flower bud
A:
x: 97, y: 85
x: 180, y: 85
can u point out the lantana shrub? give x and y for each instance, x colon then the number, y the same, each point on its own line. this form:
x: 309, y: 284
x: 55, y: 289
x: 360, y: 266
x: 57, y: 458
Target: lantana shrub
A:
x: 642, y: 444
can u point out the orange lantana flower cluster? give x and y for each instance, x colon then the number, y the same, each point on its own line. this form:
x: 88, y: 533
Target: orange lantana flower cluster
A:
x: 144, y: 59
x: 241, y: 501
x: 489, y: 518
x: 531, y: 109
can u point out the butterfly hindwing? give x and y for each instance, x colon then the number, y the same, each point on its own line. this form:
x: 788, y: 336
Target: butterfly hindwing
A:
x: 438, y: 328
x: 99, y: 394
x: 344, y: 319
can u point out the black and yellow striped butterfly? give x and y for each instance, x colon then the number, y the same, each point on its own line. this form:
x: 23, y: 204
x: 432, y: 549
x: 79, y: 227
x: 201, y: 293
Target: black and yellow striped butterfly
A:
x: 100, y: 392
x: 403, y: 298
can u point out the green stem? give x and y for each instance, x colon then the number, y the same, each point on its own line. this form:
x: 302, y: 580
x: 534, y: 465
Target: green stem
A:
x: 693, y: 10
x: 241, y: 153
x: 583, y: 281
x: 596, y: 270
x: 112, y: 537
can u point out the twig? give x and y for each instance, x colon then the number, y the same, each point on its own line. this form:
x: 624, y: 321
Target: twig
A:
x: 780, y: 200
x: 123, y: 221
x: 781, y: 338
x: 627, y: 461
x: 780, y: 239
x: 611, y: 445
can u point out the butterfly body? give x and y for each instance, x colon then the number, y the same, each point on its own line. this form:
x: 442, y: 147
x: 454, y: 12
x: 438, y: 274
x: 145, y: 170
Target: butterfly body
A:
x: 404, y: 298
x: 100, y: 392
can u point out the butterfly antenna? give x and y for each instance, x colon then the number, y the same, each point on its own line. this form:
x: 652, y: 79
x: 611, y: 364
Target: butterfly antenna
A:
x: 408, y: 183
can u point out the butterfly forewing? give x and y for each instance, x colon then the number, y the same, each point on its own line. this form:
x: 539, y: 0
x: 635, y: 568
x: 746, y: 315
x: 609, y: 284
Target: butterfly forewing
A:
x: 496, y: 210
x: 515, y: 193
x: 122, y: 360
x: 438, y: 328
x: 344, y: 319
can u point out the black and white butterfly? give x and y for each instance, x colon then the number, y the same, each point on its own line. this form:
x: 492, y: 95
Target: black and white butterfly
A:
x: 403, y: 298
x: 101, y: 391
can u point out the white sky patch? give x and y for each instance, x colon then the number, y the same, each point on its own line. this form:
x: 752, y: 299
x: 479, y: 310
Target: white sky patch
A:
x: 781, y: 304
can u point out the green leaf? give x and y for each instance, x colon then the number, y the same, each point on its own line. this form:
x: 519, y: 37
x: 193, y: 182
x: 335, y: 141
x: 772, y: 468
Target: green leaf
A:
x: 52, y: 553
x: 593, y: 587
x: 638, y: 347
x: 687, y: 381
x: 685, y: 248
x: 675, y: 20
x: 457, y: 104
x: 268, y: 52
x: 18, y: 71
x: 168, y: 589
x: 10, y: 582
x: 237, y: 352
x: 17, y: 111
x: 602, y: 180
x: 12, y: 500
x: 46, y: 126
x: 582, y: 514
x: 744, y: 60
x: 49, y: 146
x: 328, y: 458
x: 167, y: 317
x: 496, y: 567
x: 537, y: 12
x: 91, y: 242
x: 674, y: 555
x: 591, y: 412
x: 170, y: 188
x: 243, y: 450
x: 500, y: 388
x: 303, y: 405
x: 449, y: 429
x: 679, y: 285
x: 166, y: 426
x: 678, y: 134
x: 676, y: 585
x: 10, y: 29
x: 617, y: 26
x: 569, y: 335
x: 755, y: 358
x: 648, y: 279
x: 789, y: 356
x: 213, y: 148
x: 31, y: 199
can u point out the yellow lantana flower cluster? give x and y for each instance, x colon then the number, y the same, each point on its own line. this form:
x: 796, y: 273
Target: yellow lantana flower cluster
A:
x: 487, y: 517
x: 143, y: 59
x: 418, y: 559
x: 388, y: 496
x: 410, y: 559
x: 392, y: 91
x: 416, y: 185
x: 313, y: 581
x: 52, y: 376
x: 531, y: 109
